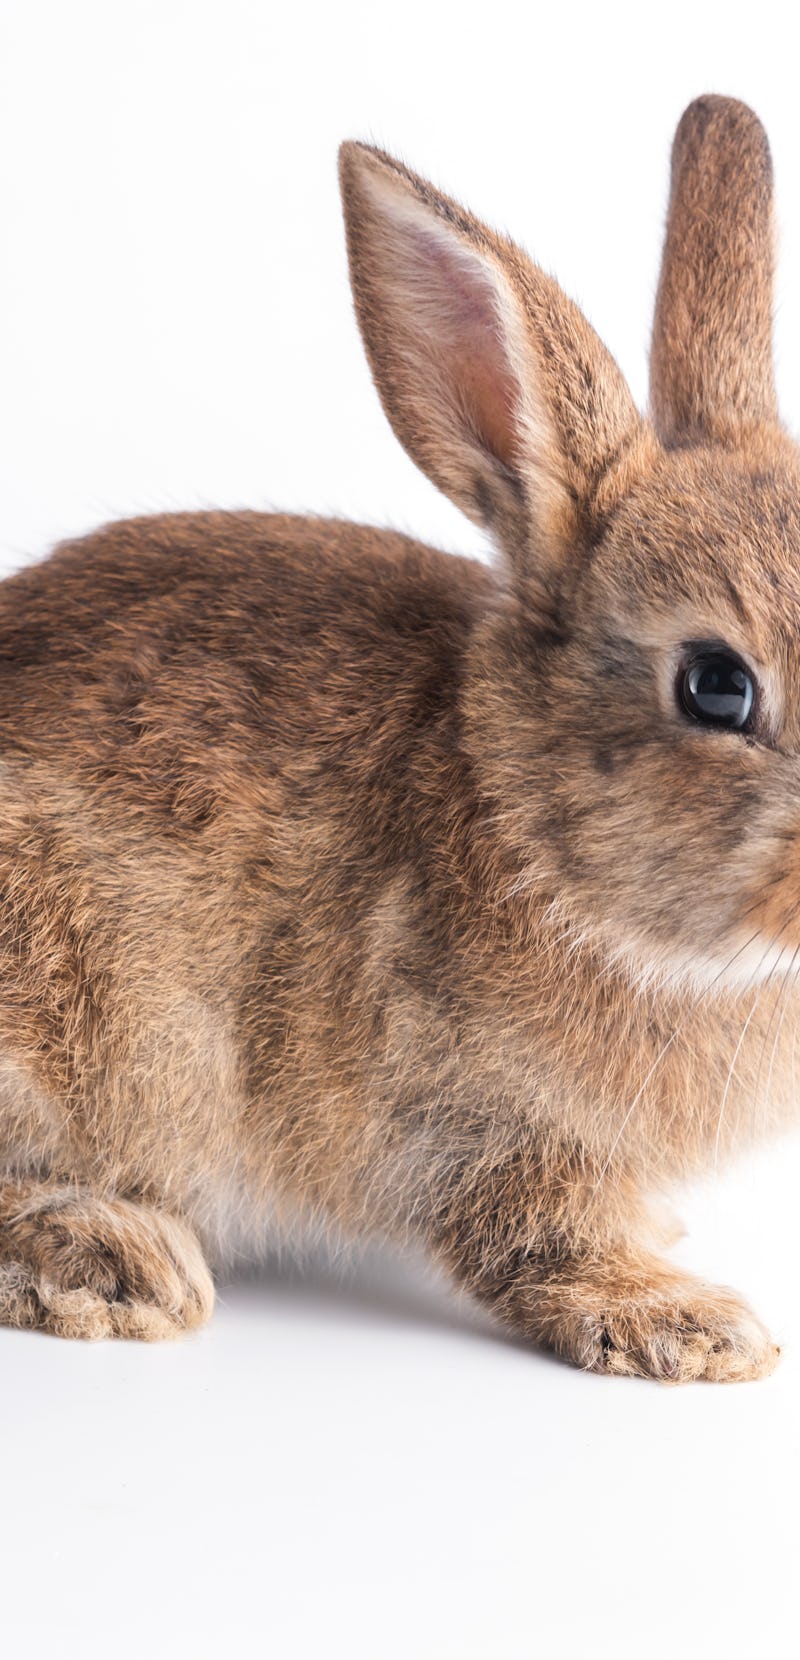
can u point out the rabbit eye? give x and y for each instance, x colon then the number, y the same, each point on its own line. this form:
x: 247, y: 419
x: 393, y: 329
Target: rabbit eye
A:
x: 717, y: 689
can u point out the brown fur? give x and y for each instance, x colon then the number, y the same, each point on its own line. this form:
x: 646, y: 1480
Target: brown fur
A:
x: 711, y: 364
x: 345, y: 879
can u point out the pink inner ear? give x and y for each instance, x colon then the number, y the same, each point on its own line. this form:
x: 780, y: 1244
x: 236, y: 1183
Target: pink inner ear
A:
x: 457, y: 306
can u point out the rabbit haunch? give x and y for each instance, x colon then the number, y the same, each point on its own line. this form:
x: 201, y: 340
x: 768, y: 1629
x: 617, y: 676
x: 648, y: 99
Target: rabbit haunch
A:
x: 347, y: 879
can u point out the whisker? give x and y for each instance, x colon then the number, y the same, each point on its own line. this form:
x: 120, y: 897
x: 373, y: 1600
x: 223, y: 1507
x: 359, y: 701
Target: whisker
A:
x: 759, y: 993
x: 781, y: 990
x: 789, y: 983
x: 728, y: 1080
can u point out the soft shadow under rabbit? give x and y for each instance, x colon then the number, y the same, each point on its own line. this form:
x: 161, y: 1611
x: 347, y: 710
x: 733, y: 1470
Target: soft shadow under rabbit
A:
x: 344, y: 878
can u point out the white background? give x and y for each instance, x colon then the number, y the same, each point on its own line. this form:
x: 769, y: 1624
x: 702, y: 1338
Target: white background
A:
x: 354, y: 1468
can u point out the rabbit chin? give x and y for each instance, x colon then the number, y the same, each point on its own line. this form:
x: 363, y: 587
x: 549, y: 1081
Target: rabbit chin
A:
x: 748, y: 962
x: 755, y: 961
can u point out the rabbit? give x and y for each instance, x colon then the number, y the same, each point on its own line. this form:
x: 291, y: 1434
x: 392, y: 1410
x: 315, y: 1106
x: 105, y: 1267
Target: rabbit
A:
x: 453, y: 904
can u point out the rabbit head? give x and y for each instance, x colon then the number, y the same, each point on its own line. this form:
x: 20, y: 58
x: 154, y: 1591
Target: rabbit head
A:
x: 633, y: 706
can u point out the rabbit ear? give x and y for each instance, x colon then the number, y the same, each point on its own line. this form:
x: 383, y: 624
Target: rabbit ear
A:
x: 492, y: 379
x: 711, y: 367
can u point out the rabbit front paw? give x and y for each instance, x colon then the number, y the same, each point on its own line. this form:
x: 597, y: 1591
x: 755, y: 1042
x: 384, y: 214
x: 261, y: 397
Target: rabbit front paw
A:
x: 79, y: 1266
x: 676, y: 1329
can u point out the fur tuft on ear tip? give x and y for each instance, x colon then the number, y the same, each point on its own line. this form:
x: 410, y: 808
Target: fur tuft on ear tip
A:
x: 362, y: 164
x: 353, y: 162
x: 715, y: 120
x: 354, y: 156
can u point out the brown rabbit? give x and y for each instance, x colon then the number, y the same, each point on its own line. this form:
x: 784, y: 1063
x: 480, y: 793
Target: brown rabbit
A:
x: 345, y: 879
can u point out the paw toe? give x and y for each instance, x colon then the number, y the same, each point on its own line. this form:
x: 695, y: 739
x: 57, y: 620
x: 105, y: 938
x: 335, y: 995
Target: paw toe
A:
x: 713, y: 1337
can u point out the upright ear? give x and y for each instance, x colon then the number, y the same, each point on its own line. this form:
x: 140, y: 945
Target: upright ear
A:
x: 492, y: 379
x: 711, y: 368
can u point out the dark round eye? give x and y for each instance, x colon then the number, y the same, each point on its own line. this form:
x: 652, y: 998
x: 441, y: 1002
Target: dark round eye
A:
x: 717, y: 689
